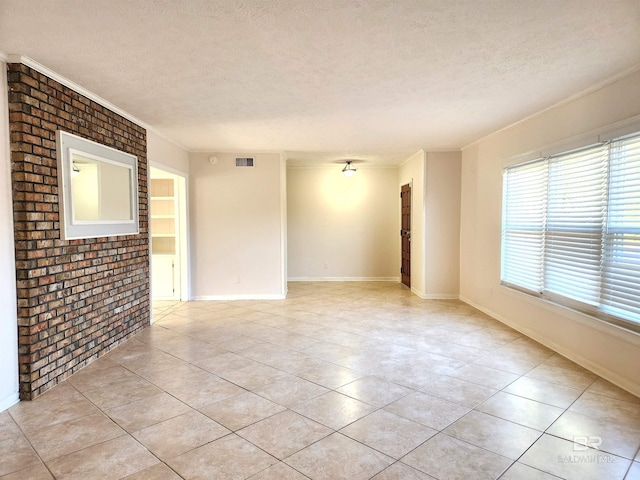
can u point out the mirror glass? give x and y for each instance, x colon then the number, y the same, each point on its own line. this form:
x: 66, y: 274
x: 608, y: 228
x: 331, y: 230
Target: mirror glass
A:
x: 101, y: 190
x: 98, y: 189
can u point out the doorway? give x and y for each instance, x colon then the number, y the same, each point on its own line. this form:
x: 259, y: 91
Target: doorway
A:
x: 405, y: 234
x: 168, y: 235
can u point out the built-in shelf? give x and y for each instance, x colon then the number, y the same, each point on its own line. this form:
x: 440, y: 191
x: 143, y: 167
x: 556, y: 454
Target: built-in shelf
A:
x: 166, y: 235
x: 163, y: 220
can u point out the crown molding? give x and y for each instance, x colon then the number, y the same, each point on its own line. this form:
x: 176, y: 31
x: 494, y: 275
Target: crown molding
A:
x: 594, y: 88
x: 420, y: 152
x: 332, y: 166
x: 235, y: 152
x: 29, y: 62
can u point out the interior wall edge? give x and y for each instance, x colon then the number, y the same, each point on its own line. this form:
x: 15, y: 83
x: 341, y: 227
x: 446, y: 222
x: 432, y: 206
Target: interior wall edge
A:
x: 9, y: 400
x: 166, y: 168
x: 249, y: 296
x: 344, y: 279
x: 437, y: 296
x: 283, y: 225
x: 9, y: 377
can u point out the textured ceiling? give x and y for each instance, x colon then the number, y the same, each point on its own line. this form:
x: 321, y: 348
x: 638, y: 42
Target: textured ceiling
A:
x: 328, y: 79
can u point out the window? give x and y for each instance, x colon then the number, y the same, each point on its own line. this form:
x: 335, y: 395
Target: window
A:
x: 571, y: 229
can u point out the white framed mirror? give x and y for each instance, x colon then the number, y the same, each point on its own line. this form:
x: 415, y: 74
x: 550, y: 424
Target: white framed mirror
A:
x: 98, y: 189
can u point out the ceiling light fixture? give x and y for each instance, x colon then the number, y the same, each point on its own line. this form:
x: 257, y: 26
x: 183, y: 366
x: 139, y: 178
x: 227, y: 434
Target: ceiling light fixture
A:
x: 348, y: 169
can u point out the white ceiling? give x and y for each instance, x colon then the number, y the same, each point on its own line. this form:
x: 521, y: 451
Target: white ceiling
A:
x: 328, y: 79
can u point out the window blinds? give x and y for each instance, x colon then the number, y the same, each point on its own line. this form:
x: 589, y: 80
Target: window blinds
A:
x: 575, y: 217
x: 571, y: 228
x: 621, y: 276
x: 524, y: 213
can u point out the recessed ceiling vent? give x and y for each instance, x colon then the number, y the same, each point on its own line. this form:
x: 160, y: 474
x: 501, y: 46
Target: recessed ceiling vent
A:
x: 244, y: 162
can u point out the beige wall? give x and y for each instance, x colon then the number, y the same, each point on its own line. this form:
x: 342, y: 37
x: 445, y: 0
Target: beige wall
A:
x: 607, y: 350
x: 342, y: 228
x: 236, y: 231
x: 412, y: 171
x: 169, y: 158
x: 442, y: 225
x: 166, y: 155
x: 435, y: 222
x: 8, y: 318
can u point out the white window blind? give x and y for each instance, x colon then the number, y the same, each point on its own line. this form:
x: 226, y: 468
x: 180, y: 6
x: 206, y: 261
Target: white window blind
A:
x: 524, y: 212
x: 575, y: 219
x: 621, y: 278
x: 571, y: 229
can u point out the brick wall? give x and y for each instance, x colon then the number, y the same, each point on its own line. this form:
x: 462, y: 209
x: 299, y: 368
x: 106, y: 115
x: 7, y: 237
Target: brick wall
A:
x: 78, y: 298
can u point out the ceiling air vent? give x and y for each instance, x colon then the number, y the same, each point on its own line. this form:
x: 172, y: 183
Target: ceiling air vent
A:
x: 244, y: 162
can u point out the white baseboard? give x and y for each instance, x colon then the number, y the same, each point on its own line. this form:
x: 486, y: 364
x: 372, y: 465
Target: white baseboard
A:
x: 9, y: 400
x: 239, y: 297
x: 344, y: 279
x: 436, y: 296
x: 562, y: 350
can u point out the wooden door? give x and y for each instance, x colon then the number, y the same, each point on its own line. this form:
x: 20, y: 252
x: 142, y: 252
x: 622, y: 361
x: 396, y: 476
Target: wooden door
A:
x: 405, y: 234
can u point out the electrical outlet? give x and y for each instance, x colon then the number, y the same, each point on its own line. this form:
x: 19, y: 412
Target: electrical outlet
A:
x: 236, y: 279
x: 326, y: 265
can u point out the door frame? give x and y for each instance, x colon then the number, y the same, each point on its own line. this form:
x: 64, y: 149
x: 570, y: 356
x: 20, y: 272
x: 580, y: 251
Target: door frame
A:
x: 181, y: 180
x: 405, y: 233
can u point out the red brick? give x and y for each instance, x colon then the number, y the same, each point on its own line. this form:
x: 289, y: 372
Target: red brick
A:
x: 76, y: 299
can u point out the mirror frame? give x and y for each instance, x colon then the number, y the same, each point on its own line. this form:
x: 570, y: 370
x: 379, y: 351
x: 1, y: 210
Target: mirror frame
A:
x: 67, y: 145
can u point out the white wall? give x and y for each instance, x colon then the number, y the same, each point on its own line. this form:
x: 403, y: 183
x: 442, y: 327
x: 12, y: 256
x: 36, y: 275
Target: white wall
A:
x: 442, y: 225
x: 8, y: 312
x: 607, y: 350
x: 284, y: 245
x: 163, y: 154
x: 236, y: 231
x: 343, y: 228
x: 168, y: 157
x: 412, y: 171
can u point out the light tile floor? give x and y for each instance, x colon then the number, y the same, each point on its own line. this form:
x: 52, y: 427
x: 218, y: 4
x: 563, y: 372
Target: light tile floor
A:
x: 338, y: 381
